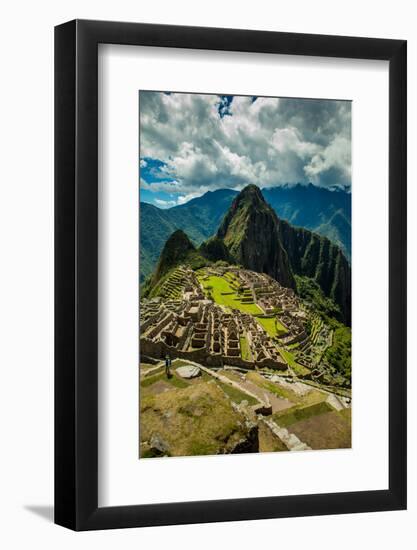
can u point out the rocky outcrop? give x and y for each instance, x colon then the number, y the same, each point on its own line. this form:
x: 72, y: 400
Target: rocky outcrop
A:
x: 249, y: 443
x: 250, y: 232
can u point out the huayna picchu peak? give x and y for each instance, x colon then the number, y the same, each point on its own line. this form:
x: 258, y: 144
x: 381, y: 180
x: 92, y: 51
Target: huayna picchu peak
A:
x: 250, y: 232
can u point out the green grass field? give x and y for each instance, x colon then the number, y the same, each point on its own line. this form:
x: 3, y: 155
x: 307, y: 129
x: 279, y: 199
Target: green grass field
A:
x: 272, y: 326
x: 236, y: 395
x: 298, y: 413
x: 278, y: 390
x: 173, y: 380
x: 224, y: 295
x: 244, y: 349
x: 293, y: 346
x: 290, y: 359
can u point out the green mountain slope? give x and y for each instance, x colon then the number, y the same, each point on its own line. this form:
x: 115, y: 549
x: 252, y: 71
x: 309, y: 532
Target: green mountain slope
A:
x: 155, y: 228
x: 325, y: 212
x: 339, y: 230
x: 316, y: 257
x: 199, y: 218
x: 250, y: 231
x: 177, y: 250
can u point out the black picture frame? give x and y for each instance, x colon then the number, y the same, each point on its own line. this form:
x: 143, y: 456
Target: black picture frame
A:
x: 76, y: 272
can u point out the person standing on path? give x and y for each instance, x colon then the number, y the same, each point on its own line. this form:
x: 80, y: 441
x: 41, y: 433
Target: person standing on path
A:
x: 167, y: 365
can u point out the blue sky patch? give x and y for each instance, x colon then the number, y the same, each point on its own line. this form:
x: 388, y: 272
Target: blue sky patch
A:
x: 224, y: 105
x: 151, y: 170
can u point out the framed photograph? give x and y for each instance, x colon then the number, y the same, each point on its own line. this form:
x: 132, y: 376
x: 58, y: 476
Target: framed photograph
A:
x: 230, y: 253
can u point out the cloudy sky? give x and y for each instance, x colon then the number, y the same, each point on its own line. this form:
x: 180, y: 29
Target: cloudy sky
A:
x: 193, y: 143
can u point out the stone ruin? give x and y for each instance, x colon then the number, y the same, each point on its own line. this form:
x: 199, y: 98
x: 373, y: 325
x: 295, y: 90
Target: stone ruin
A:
x: 185, y: 323
x: 196, y: 327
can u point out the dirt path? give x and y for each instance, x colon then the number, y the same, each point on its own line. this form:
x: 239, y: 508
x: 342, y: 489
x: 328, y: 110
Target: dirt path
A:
x: 149, y: 370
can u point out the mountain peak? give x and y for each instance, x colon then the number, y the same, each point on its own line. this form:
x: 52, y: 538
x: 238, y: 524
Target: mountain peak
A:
x: 251, y: 193
x: 244, y: 208
x: 250, y: 232
x: 176, y: 250
x: 178, y: 237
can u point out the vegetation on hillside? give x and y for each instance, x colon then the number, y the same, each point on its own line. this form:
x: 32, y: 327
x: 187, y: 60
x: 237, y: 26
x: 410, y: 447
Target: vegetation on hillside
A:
x: 327, y: 212
x: 319, y: 259
x: 339, y: 354
x: 215, y: 250
x: 177, y: 250
x: 250, y: 232
x: 310, y: 291
x: 198, y: 218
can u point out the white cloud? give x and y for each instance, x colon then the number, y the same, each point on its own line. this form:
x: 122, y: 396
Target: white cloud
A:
x: 268, y: 141
x: 288, y: 140
x: 165, y: 204
x: 336, y: 155
x: 167, y: 186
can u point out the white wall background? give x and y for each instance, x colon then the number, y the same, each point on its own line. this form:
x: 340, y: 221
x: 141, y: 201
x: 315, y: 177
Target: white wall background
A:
x: 26, y: 285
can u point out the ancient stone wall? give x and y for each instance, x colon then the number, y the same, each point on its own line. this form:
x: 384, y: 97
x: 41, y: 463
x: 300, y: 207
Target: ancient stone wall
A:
x: 157, y: 329
x: 161, y: 349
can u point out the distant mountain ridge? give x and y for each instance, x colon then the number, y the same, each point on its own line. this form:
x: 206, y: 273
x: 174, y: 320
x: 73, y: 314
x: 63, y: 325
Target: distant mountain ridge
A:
x: 252, y: 235
x: 199, y: 218
x: 326, y: 212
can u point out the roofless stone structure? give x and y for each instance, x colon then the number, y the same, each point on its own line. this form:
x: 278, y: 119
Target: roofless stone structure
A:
x: 184, y: 321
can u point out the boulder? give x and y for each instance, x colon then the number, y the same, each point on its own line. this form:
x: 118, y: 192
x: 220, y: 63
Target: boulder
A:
x: 188, y: 371
x: 158, y: 446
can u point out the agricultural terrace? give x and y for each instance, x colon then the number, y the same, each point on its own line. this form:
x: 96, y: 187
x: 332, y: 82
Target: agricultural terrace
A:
x: 245, y: 349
